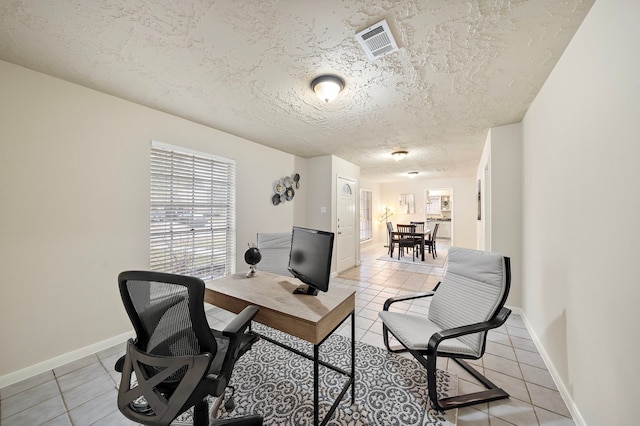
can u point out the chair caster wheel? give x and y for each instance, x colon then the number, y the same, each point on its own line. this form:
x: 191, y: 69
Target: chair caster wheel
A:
x: 230, y: 404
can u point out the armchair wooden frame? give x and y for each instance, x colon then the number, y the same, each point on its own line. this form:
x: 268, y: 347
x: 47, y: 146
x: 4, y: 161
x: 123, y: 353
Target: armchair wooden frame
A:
x: 427, y: 357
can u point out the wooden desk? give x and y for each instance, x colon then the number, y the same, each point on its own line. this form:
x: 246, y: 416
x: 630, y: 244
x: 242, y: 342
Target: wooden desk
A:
x: 311, y: 318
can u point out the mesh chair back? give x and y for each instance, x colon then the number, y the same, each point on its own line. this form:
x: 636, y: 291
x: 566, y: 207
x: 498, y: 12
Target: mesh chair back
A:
x: 167, y: 312
x: 473, y: 290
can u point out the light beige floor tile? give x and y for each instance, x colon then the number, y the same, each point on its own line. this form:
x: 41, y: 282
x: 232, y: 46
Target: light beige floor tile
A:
x: 85, y: 392
x: 37, y: 414
x: 96, y: 409
x: 525, y: 344
x: 548, y: 399
x: 80, y: 376
x: 75, y: 365
x: 548, y: 418
x: 530, y: 358
x: 516, y: 388
x: 502, y: 365
x: 28, y: 398
x: 469, y: 416
x: 501, y: 350
x: 538, y: 376
x: 26, y: 384
x: 513, y: 411
x: 62, y: 420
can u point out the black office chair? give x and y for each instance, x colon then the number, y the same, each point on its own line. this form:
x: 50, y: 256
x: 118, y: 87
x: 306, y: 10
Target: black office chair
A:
x: 464, y: 306
x: 176, y: 360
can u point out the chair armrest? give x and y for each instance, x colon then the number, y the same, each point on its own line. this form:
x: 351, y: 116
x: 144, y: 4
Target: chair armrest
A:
x: 235, y: 332
x: 393, y: 300
x: 452, y: 333
x: 240, y: 322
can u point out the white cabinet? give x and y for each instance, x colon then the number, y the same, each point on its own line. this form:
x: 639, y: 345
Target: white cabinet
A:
x: 444, y: 230
x: 445, y: 203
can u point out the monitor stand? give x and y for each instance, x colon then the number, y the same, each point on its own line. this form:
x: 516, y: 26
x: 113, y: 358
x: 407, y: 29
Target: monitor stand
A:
x: 306, y: 289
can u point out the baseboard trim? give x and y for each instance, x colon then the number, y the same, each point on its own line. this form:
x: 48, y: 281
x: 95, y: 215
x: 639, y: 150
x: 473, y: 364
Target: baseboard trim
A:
x: 564, y: 393
x: 58, y: 361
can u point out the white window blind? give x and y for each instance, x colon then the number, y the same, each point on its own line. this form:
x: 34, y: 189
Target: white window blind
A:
x: 366, y: 225
x: 192, y: 213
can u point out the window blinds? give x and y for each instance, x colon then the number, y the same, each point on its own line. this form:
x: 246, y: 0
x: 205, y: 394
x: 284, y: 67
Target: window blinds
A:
x: 366, y: 213
x: 192, y: 213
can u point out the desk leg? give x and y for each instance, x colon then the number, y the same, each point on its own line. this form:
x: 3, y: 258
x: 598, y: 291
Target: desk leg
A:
x: 353, y: 357
x: 315, y: 385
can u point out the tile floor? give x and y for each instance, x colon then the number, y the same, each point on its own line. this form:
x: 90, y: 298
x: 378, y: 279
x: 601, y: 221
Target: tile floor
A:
x: 84, y: 392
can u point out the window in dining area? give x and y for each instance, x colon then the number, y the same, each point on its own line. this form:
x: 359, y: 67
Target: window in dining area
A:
x: 366, y: 224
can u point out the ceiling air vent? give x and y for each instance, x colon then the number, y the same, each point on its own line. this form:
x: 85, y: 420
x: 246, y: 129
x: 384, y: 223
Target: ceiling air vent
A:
x: 377, y: 40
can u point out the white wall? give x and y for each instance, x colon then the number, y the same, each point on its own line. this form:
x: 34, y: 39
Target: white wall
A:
x: 581, y: 202
x: 74, y: 185
x: 502, y: 194
x: 464, y: 203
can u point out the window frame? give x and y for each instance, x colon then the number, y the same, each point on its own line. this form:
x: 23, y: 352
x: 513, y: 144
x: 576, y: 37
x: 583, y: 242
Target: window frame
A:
x: 192, y: 212
x: 366, y: 215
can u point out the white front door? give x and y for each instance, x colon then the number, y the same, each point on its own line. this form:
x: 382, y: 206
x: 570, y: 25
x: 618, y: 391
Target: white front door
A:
x: 346, y: 238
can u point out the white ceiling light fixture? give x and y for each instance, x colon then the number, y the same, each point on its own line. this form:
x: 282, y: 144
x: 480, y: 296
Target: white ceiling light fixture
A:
x: 399, y: 155
x: 412, y: 174
x: 327, y: 87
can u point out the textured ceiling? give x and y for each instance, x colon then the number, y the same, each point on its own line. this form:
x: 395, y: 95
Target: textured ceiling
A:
x: 245, y: 67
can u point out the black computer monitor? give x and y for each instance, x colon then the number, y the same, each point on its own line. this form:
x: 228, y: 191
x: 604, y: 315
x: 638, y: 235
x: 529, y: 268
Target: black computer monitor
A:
x: 310, y: 259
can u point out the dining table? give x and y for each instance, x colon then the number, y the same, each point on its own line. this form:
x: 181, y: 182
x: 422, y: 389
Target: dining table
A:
x: 418, y: 236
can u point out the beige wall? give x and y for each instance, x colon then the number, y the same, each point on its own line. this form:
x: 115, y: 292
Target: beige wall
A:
x: 580, y: 216
x: 74, y: 185
x: 463, y: 212
x: 500, y: 227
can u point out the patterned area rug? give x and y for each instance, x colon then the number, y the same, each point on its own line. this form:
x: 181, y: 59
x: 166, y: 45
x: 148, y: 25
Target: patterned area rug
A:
x: 438, y: 262
x: 278, y: 384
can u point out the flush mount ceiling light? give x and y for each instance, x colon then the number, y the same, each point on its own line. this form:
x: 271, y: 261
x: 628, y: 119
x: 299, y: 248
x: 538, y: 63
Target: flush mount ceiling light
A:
x: 412, y: 174
x: 327, y: 87
x: 399, y: 155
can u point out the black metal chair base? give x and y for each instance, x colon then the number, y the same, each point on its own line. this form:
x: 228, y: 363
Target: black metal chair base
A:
x: 493, y: 392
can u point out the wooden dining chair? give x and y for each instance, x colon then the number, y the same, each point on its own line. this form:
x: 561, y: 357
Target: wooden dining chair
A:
x: 431, y: 242
x: 406, y: 239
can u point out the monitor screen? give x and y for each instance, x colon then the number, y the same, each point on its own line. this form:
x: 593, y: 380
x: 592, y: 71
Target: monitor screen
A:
x: 310, y: 259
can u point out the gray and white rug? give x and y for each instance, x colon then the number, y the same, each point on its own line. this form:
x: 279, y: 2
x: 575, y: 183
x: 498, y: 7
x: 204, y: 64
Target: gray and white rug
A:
x: 438, y: 262
x: 278, y: 384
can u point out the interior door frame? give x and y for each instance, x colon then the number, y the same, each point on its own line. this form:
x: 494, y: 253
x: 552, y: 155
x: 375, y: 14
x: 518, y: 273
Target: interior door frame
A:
x: 437, y: 190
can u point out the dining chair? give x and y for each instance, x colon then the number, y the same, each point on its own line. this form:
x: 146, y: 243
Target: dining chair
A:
x: 406, y: 239
x: 420, y: 227
x: 431, y: 242
x: 390, y: 238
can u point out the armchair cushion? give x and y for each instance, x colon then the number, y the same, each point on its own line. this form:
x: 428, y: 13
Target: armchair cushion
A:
x: 471, y: 291
x: 414, y: 331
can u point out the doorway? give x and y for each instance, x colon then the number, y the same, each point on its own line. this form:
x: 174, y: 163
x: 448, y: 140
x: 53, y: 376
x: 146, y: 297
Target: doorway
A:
x: 346, y: 224
x: 438, y: 208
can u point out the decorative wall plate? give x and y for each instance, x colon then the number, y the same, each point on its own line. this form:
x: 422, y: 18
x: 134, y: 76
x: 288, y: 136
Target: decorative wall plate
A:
x: 275, y: 199
x: 289, y: 194
x: 279, y: 188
